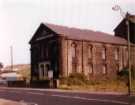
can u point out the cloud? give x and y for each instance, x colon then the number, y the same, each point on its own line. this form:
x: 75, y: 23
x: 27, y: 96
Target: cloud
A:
x: 130, y: 1
x: 28, y: 3
x: 22, y: 1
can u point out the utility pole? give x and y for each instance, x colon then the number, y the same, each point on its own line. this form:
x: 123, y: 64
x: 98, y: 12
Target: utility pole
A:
x: 129, y: 54
x: 127, y: 17
x: 11, y: 57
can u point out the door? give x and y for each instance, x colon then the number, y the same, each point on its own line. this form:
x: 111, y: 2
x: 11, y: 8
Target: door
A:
x: 44, y: 67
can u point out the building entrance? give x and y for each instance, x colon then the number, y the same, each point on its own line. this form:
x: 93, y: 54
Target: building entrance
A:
x: 44, y: 67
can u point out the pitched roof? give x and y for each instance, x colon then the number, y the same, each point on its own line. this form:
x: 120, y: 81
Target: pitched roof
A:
x: 123, y: 21
x: 132, y: 18
x: 83, y: 34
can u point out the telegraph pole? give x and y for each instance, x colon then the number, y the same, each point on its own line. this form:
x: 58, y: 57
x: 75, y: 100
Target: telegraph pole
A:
x: 11, y: 57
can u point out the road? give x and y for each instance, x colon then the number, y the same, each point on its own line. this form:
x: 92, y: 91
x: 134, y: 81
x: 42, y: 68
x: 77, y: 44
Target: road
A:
x: 54, y: 97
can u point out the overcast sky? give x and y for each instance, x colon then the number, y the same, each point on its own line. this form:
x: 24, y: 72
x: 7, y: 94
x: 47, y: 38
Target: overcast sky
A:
x: 19, y: 20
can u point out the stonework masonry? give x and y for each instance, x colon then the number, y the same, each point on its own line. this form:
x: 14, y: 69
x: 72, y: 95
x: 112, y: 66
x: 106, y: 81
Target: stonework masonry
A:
x: 96, y: 66
x: 65, y: 50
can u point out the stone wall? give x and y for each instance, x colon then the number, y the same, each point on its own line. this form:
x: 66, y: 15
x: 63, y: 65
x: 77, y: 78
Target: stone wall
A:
x: 96, y: 67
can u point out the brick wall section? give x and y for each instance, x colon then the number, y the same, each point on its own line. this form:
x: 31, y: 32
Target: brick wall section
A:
x: 112, y: 65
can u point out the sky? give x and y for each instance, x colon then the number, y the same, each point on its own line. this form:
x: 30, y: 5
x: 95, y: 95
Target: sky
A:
x: 19, y: 20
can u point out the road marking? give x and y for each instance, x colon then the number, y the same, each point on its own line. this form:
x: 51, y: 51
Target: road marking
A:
x: 18, y: 92
x: 35, y: 93
x: 93, y: 99
x: 27, y: 103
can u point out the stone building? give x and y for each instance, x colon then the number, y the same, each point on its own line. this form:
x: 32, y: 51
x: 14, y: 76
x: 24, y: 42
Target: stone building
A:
x: 121, y: 29
x: 65, y: 50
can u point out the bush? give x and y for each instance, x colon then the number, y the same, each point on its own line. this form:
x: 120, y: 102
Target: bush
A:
x: 74, y: 79
x: 78, y: 76
x: 133, y: 73
x: 125, y: 73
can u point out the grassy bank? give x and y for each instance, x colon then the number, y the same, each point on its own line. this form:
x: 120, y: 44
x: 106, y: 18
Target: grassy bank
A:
x: 79, y: 82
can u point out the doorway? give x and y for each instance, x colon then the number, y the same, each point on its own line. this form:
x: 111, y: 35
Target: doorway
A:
x: 44, y: 67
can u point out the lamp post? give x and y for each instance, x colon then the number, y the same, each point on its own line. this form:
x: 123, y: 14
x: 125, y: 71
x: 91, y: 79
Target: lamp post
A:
x: 127, y: 17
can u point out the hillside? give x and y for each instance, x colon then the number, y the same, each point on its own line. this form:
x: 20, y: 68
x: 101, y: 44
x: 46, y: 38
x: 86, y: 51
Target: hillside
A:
x: 17, y: 67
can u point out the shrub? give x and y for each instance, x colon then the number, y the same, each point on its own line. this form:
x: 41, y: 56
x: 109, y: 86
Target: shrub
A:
x: 133, y: 73
x: 75, y: 79
x: 124, y: 73
x: 78, y: 76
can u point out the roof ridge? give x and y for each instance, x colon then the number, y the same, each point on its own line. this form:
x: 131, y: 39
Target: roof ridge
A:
x: 73, y: 27
x: 85, y: 34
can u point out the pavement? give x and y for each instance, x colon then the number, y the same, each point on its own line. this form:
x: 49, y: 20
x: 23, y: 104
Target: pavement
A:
x: 70, y: 91
x: 9, y: 102
x: 31, y: 96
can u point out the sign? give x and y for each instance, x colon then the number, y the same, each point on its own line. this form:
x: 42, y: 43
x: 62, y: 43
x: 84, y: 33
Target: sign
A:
x: 50, y: 74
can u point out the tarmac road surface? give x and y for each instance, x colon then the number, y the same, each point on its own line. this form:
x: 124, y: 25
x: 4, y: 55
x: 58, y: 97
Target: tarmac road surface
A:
x: 59, y: 97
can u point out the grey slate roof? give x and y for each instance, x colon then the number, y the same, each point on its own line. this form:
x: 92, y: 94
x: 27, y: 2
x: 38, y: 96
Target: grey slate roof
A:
x: 82, y: 34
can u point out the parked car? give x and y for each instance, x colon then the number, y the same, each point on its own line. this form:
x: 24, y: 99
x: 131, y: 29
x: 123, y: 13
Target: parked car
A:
x: 3, y: 82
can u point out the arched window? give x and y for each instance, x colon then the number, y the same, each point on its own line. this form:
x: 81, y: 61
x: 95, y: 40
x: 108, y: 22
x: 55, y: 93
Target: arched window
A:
x: 116, y: 54
x: 73, y: 49
x: 90, y: 70
x: 74, y: 57
x: 104, y: 69
x: 103, y: 53
x: 89, y: 51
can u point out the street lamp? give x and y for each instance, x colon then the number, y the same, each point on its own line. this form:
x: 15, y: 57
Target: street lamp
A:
x: 127, y: 17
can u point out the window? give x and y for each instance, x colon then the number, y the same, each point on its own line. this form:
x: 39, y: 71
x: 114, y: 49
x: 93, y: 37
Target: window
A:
x: 74, y: 57
x: 89, y: 51
x: 46, y: 52
x: 116, y: 54
x: 104, y: 69
x: 117, y: 67
x: 104, y: 53
x: 43, y: 70
x: 90, y: 70
x: 42, y: 51
x: 74, y: 67
x: 73, y: 49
